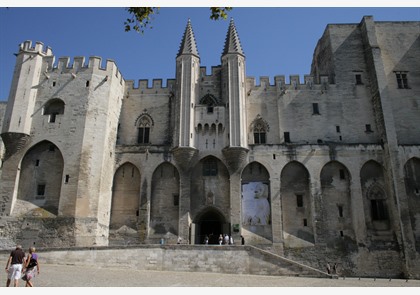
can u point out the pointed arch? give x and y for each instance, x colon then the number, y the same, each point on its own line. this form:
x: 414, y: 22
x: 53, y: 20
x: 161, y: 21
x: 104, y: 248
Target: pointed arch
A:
x: 210, y: 185
x: 125, y: 197
x: 336, y: 201
x: 375, y: 200
x: 40, y: 181
x: 209, y: 100
x: 209, y: 222
x: 256, y: 200
x: 164, y: 202
x: 296, y: 203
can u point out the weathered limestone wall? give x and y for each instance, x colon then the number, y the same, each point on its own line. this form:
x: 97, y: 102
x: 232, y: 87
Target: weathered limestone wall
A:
x: 234, y: 260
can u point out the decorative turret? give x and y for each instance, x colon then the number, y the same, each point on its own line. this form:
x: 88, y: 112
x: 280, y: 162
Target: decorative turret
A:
x: 234, y: 87
x: 186, y: 96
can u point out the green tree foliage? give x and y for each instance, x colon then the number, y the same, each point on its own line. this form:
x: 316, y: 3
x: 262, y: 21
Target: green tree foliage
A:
x: 141, y: 17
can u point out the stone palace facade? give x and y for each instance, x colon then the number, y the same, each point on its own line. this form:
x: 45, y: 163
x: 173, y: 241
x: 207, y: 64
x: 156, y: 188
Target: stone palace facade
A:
x: 324, y: 167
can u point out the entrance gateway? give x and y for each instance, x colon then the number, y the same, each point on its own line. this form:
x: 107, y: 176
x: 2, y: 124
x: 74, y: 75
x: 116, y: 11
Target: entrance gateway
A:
x: 210, y: 222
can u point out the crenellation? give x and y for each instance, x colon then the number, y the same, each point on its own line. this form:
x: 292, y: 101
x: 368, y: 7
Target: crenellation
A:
x: 215, y: 70
x: 280, y: 82
x: 294, y: 81
x: 95, y: 62
x: 264, y: 81
x: 309, y: 81
x: 79, y: 63
x: 63, y: 63
x: 156, y: 87
x: 143, y: 84
x: 64, y: 66
x: 157, y: 83
x: 26, y: 46
x: 48, y: 63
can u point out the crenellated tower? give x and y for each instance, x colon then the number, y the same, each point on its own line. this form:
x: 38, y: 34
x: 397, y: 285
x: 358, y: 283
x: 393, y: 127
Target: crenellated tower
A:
x: 22, y: 97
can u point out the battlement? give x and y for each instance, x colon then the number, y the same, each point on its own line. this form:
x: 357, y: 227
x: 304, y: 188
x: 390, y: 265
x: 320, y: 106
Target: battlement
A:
x: 64, y: 65
x: 214, y: 71
x: 281, y: 83
x: 79, y: 62
x: 157, y: 85
x: 38, y: 48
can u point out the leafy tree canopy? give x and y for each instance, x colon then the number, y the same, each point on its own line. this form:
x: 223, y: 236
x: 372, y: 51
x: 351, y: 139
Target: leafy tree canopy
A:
x: 141, y: 17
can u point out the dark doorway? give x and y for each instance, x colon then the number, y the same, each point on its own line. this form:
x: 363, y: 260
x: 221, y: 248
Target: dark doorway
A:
x: 210, y: 224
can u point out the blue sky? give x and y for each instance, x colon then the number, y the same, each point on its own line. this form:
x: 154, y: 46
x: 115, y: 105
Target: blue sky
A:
x: 276, y: 40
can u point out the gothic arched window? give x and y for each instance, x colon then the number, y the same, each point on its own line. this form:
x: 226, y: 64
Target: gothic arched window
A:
x: 144, y: 123
x: 260, y: 128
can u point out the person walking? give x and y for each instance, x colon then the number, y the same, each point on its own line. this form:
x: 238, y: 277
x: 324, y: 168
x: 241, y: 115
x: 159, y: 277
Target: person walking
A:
x: 14, y: 266
x: 31, y: 267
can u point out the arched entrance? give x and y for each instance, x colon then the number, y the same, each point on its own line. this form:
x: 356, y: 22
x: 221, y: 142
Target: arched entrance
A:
x: 211, y: 223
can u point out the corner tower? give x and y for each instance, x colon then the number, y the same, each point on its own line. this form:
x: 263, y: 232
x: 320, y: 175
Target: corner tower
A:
x: 234, y: 87
x: 23, y: 93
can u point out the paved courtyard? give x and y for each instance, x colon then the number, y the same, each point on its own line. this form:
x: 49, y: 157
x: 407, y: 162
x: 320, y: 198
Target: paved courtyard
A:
x: 53, y: 275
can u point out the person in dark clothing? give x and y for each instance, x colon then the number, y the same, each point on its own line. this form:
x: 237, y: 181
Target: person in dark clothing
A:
x: 14, y: 266
x: 242, y: 240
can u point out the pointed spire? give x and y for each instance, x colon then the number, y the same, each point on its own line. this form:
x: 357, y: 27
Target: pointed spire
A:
x: 188, y: 44
x: 232, y: 43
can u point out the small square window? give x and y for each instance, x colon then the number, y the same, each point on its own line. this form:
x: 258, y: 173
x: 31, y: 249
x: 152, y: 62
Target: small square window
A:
x: 368, y: 128
x: 402, y: 80
x: 286, y: 137
x: 305, y: 222
x: 337, y: 128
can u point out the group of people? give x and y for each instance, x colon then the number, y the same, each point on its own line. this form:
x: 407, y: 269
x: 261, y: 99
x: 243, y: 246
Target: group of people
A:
x: 225, y: 239
x: 19, y: 266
